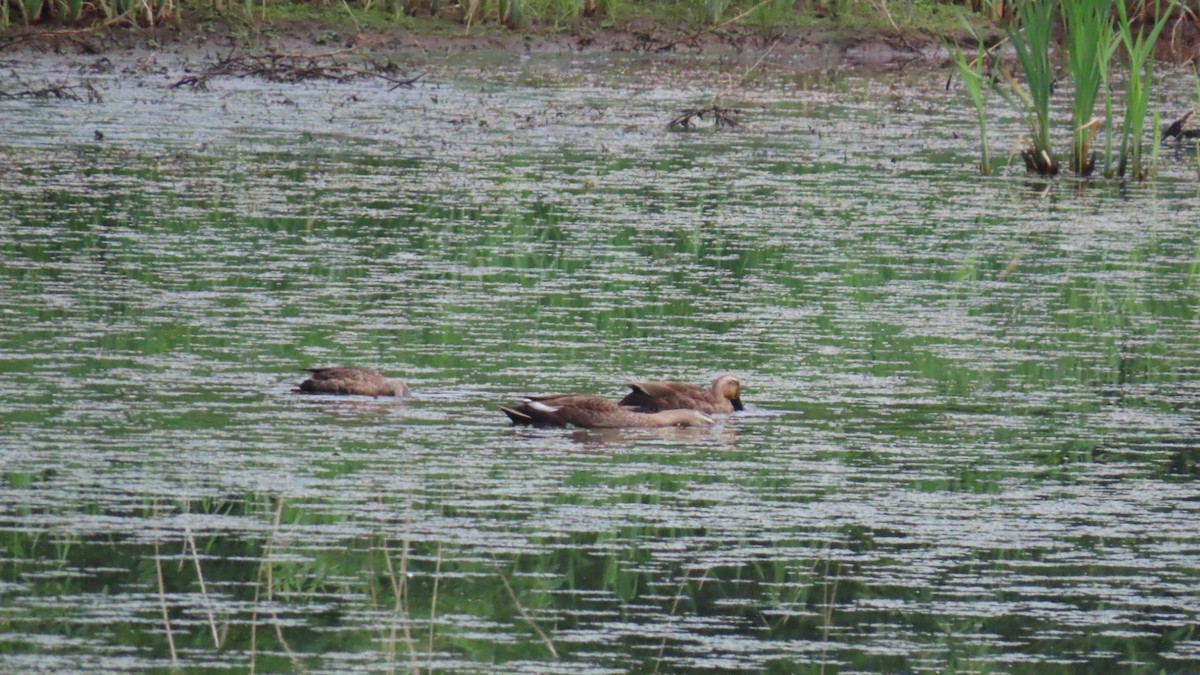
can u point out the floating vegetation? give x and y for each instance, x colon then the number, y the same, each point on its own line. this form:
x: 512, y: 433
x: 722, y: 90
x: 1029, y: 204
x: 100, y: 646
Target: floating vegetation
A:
x: 292, y: 68
x: 721, y: 117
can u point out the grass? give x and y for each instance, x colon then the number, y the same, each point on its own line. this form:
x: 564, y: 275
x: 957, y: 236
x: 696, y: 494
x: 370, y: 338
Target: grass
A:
x: 1032, y: 43
x: 1196, y: 82
x: 971, y: 72
x: 774, y: 17
x: 1139, y: 45
x: 714, y: 10
x: 1090, y: 41
x: 1088, y: 35
x: 1107, y: 47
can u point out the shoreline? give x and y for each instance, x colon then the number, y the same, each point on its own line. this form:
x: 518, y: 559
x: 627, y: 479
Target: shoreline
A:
x: 863, y: 45
x: 855, y: 48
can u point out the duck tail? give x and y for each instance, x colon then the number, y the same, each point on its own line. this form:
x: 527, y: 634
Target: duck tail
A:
x: 517, y: 416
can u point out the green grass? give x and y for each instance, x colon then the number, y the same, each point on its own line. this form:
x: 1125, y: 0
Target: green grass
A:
x: 771, y: 17
x: 1196, y: 81
x: 1139, y: 46
x: 1031, y: 39
x: 1107, y: 47
x: 971, y: 72
x: 1088, y: 34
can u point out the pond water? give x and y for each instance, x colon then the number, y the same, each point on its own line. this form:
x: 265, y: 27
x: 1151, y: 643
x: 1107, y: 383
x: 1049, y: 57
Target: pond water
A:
x: 972, y: 434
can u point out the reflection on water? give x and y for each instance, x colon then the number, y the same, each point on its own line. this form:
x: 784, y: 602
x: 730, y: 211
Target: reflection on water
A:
x: 971, y: 443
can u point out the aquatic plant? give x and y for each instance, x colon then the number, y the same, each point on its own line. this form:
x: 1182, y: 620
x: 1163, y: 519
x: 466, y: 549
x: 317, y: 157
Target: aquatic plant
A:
x: 30, y: 10
x: 971, y: 72
x: 1138, y: 47
x: 713, y: 9
x: 558, y: 11
x: 512, y: 13
x: 1107, y: 46
x: 1156, y: 119
x: 773, y: 16
x: 1088, y: 33
x: 71, y: 10
x: 1032, y: 43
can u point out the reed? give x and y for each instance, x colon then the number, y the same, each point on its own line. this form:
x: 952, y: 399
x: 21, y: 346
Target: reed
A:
x: 714, y: 10
x: 71, y: 11
x: 1152, y: 169
x: 773, y: 16
x: 512, y: 13
x: 1182, y: 136
x: 560, y: 11
x: 1108, y: 47
x: 971, y: 72
x: 1086, y: 23
x: 1138, y: 45
x: 1032, y: 43
x: 31, y: 10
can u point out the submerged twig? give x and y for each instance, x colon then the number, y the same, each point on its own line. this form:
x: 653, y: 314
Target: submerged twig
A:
x: 722, y: 117
x: 212, y: 620
x: 437, y: 574
x: 265, y: 569
x: 528, y: 619
x: 662, y: 645
x: 162, y: 592
x: 400, y: 613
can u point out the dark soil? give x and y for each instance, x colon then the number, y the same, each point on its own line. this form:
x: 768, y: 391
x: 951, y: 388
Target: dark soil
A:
x: 859, y: 49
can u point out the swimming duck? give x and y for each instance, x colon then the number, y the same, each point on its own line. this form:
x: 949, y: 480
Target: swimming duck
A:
x: 352, y: 381
x: 595, y: 412
x: 650, y: 396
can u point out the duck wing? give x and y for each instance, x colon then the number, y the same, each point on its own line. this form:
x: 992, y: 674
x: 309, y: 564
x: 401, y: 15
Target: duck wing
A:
x: 561, y: 410
x: 343, y: 381
x: 656, y: 396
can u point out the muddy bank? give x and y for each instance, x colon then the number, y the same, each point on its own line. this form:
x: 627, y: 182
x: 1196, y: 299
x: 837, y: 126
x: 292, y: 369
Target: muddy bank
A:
x: 860, y: 48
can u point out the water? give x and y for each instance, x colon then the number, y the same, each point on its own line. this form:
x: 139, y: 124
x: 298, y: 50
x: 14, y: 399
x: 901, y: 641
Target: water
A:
x: 972, y: 436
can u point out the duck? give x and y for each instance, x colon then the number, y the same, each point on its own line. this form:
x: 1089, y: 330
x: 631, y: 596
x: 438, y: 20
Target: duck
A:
x: 351, y: 381
x: 596, y: 412
x: 648, y: 396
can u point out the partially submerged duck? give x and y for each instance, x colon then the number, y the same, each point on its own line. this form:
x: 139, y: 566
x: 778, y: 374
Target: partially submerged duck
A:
x: 595, y: 412
x: 351, y: 381
x: 724, y: 397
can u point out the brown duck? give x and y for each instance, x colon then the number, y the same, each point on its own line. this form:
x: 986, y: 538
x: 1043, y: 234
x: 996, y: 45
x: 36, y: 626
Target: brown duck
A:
x: 724, y: 397
x: 352, y: 381
x: 594, y: 412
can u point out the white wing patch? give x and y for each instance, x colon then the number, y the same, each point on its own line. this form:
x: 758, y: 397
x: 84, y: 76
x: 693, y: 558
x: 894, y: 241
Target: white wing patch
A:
x: 542, y: 407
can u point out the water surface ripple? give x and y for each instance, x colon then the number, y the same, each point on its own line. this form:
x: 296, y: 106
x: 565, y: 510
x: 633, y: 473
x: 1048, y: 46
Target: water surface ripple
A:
x: 971, y: 444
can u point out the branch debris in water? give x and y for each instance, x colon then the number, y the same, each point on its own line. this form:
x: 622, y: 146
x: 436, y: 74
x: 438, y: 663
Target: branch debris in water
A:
x: 64, y: 92
x: 292, y: 68
x: 1176, y: 130
x: 722, y: 117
